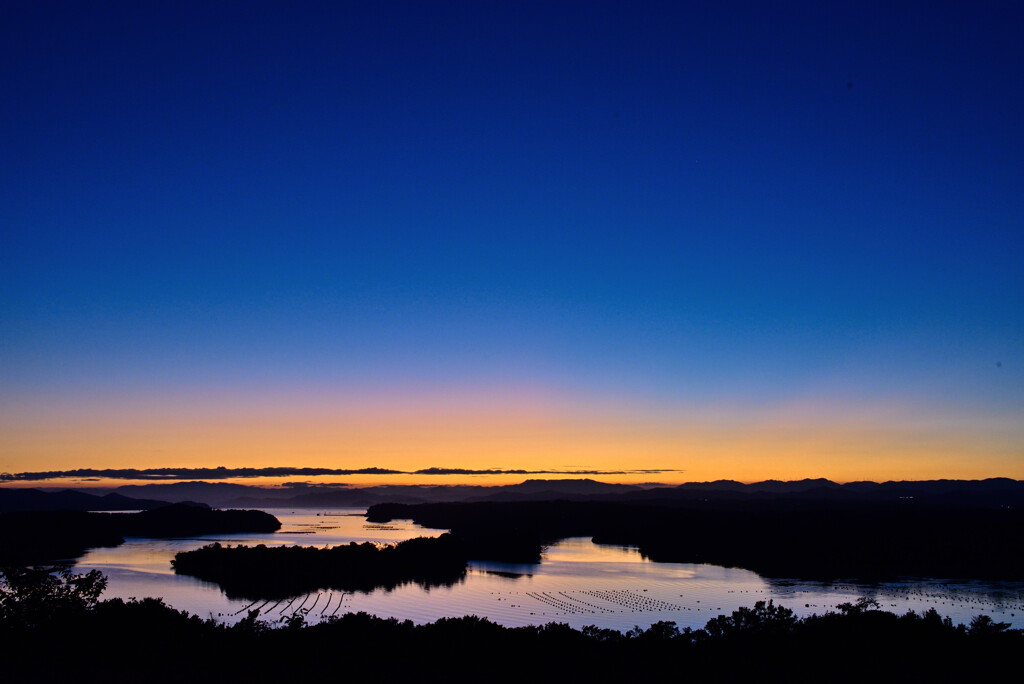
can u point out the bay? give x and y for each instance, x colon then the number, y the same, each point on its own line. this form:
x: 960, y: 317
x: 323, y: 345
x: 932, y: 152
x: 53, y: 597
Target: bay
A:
x: 577, y: 582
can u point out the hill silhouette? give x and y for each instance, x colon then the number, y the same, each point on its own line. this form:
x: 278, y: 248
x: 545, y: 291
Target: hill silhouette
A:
x: 303, y: 495
x: 44, y: 536
x: 16, y: 499
x: 53, y: 628
x: 774, y: 536
x: 990, y: 492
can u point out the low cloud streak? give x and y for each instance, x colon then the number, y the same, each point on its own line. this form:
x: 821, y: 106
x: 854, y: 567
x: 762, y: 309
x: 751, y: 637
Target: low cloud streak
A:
x: 222, y: 473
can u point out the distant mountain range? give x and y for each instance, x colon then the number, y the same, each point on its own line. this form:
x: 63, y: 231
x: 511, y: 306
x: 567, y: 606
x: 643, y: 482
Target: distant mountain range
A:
x: 992, y: 492
x: 225, y: 495
x: 987, y: 491
x: 12, y: 499
x: 28, y: 537
x: 773, y: 486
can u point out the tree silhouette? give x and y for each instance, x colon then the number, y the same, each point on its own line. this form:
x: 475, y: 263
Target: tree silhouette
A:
x: 35, y: 596
x: 763, y: 617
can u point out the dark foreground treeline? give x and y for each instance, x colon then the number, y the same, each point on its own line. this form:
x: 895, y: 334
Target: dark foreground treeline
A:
x: 776, y: 538
x: 45, y: 536
x: 53, y: 628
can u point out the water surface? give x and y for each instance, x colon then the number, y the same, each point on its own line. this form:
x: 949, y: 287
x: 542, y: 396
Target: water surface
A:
x: 576, y: 582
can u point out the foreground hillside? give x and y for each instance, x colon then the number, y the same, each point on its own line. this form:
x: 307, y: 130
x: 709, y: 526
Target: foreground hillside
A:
x: 53, y: 628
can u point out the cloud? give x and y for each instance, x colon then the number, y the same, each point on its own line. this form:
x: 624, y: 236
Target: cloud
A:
x: 222, y: 473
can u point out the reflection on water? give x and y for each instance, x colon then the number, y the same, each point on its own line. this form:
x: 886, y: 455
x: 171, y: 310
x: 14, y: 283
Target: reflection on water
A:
x: 577, y: 582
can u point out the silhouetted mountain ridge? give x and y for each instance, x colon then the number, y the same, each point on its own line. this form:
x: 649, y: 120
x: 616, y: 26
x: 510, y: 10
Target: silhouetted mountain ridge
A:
x: 15, y: 499
x: 301, y: 495
x: 950, y: 489
x: 543, y: 490
x: 993, y: 492
x: 777, y: 536
x: 28, y: 537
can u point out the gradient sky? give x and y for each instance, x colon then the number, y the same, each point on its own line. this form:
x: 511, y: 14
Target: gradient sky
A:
x: 739, y: 240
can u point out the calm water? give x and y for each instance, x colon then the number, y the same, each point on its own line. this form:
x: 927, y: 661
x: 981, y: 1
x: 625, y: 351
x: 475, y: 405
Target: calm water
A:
x: 577, y: 582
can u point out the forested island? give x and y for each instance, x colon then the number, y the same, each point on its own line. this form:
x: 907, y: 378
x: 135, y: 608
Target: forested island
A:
x: 776, y: 537
x: 43, y: 615
x: 261, y: 572
x: 44, y: 536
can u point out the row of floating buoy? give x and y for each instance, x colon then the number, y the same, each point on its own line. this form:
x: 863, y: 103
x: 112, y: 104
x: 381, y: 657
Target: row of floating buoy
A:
x: 560, y: 604
x: 632, y: 600
x: 959, y: 599
x: 596, y: 602
x: 591, y: 602
x: 299, y: 609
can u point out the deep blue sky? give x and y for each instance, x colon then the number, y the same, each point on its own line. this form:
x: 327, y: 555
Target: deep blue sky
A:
x: 680, y: 202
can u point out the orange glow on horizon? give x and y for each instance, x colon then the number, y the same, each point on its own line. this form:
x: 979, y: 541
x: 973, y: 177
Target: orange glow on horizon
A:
x: 529, y: 432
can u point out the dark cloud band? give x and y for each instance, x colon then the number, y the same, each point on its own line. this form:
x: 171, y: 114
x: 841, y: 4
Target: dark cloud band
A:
x: 222, y: 473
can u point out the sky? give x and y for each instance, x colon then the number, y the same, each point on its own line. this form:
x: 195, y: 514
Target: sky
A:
x: 723, y: 240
